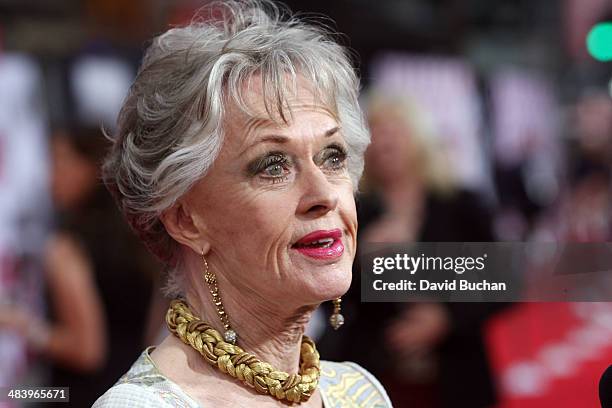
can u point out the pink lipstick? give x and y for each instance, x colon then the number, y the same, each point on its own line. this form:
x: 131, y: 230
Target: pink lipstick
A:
x: 321, y: 244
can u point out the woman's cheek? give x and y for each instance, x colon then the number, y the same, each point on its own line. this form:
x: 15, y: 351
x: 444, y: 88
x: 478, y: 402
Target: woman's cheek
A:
x: 269, y: 222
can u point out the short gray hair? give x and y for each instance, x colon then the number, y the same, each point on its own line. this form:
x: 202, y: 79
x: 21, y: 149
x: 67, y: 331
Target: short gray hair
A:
x: 170, y: 128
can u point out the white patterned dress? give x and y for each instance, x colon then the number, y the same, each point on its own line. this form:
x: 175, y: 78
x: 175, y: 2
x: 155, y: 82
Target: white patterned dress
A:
x: 341, y: 385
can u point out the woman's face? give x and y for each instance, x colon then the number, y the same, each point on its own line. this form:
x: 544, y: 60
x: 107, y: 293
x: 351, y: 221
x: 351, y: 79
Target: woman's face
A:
x: 277, y: 206
x: 391, y: 151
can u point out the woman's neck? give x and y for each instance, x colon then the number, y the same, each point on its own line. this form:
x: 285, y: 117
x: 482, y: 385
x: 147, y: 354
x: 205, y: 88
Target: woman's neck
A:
x: 267, y: 330
x: 206, y: 384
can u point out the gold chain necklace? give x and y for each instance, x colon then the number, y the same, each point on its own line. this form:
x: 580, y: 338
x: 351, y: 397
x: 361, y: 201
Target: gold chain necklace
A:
x: 244, y: 366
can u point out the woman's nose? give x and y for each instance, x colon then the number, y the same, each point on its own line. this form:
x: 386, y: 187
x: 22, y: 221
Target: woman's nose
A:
x: 318, y: 195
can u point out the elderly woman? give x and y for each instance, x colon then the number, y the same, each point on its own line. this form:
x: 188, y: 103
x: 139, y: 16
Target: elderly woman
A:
x: 238, y: 151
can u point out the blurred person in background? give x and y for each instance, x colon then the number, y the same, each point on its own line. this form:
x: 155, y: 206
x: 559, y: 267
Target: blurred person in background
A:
x: 24, y: 205
x: 424, y: 349
x: 583, y: 212
x: 590, y: 204
x: 95, y: 268
x: 121, y: 269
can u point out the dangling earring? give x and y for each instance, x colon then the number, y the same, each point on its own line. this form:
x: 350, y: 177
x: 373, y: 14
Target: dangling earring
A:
x: 336, y: 319
x: 229, y: 335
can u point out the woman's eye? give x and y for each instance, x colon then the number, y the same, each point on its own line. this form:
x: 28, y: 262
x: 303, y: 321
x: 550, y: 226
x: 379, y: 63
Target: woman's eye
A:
x: 334, y: 158
x: 334, y: 161
x: 274, y: 170
x: 274, y: 167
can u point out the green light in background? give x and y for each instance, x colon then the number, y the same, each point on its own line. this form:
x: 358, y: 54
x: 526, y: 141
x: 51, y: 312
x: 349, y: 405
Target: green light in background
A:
x: 599, y: 41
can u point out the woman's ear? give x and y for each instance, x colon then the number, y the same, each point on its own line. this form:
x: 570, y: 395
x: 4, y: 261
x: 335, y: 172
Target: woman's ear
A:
x: 183, y: 227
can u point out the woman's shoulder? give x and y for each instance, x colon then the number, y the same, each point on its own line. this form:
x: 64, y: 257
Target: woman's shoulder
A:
x: 144, y: 386
x: 348, y: 384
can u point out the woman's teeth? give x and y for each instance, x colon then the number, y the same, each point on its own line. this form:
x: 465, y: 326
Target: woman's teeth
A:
x: 322, y: 243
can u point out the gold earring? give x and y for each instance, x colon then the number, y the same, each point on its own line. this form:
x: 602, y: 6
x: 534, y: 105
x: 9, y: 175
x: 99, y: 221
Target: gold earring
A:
x: 336, y: 319
x: 229, y: 335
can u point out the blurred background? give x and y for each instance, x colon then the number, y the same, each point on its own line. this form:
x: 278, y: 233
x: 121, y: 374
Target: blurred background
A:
x: 491, y: 121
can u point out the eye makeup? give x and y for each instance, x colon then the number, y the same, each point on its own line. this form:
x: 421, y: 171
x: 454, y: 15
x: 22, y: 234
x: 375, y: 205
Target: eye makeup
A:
x: 332, y: 157
x: 264, y: 162
x: 275, y: 166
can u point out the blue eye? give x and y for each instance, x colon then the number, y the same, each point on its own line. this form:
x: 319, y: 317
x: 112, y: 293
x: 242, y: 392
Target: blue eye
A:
x: 334, y: 157
x: 273, y: 167
x: 334, y: 162
x: 274, y: 170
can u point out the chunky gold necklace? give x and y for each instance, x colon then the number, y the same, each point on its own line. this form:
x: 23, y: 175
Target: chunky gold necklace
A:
x: 244, y: 366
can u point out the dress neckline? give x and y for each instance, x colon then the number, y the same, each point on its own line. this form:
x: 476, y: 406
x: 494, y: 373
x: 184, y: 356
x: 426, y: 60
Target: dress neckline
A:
x: 147, y: 356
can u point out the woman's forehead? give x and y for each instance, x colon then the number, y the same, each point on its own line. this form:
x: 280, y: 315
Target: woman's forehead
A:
x: 257, y: 99
x: 304, y: 121
x: 296, y: 113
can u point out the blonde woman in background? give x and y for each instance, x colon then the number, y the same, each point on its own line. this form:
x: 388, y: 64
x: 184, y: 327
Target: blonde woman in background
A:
x: 410, y: 194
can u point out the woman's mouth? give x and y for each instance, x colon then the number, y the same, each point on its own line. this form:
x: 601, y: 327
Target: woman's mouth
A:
x: 321, y: 244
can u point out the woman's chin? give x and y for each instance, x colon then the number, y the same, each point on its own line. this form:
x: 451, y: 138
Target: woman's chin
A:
x: 330, y: 284
x: 319, y: 280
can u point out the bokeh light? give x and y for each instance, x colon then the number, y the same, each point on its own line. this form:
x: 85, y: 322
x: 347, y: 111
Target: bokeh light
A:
x: 599, y: 41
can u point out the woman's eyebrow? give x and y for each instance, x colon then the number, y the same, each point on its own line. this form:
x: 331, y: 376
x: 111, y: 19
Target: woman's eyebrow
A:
x: 332, y: 131
x: 280, y: 139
